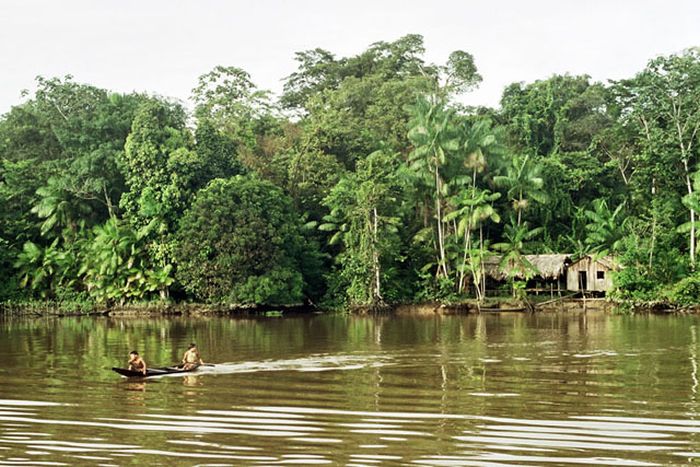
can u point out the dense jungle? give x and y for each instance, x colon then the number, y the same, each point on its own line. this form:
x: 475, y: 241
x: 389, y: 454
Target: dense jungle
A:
x: 367, y: 181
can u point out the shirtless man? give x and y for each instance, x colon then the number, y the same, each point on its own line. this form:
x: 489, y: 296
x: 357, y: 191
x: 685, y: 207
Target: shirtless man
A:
x: 191, y: 358
x: 136, y: 363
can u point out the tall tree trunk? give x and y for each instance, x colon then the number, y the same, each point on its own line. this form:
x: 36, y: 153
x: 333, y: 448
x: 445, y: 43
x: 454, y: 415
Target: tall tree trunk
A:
x: 520, y: 207
x: 467, y: 241
x: 689, y: 186
x: 647, y: 133
x: 377, y: 295
x: 441, y: 240
x: 685, y: 156
x: 108, y: 202
x: 476, y: 277
x: 467, y: 238
x: 482, y: 270
x: 653, y: 239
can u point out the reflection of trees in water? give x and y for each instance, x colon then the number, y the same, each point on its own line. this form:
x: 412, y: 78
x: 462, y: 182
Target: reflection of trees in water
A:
x: 693, y: 348
x: 67, y: 346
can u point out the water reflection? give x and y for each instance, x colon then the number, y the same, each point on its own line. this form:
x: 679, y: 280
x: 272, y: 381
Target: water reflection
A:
x: 379, y: 437
x: 192, y: 381
x: 486, y: 390
x: 135, y: 386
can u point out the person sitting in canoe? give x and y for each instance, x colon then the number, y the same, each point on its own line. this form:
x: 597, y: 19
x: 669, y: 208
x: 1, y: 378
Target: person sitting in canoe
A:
x: 191, y: 358
x: 136, y: 363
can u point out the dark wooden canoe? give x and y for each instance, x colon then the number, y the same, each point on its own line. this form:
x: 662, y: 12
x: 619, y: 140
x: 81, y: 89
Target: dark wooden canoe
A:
x: 168, y: 370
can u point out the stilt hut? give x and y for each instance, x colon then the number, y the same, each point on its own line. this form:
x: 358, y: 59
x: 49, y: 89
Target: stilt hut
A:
x: 590, y: 274
x: 550, y: 275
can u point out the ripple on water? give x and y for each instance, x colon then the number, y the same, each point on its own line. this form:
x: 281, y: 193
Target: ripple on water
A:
x: 452, y: 391
x: 379, y: 437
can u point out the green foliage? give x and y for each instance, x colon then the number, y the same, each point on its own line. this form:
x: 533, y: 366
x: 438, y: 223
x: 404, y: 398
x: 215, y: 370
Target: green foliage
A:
x: 320, y: 72
x: 87, y: 128
x: 564, y: 124
x: 365, y: 213
x: 519, y: 290
x: 429, y: 288
x: 450, y: 161
x: 158, y: 132
x: 217, y: 152
x: 660, y: 106
x: 460, y: 73
x: 686, y: 292
x: 605, y: 229
x: 644, y: 275
x: 370, y: 156
x: 562, y: 113
x: 473, y: 207
x: 523, y: 182
x: 310, y: 178
x: 117, y: 268
x: 634, y: 284
x: 435, y: 138
x: 9, y: 288
x: 162, y: 172
x: 517, y: 239
x: 59, y: 210
x: 276, y: 286
x: 356, y: 105
x: 227, y: 99
x: 19, y: 182
x: 45, y: 270
x: 58, y: 170
x: 241, y: 242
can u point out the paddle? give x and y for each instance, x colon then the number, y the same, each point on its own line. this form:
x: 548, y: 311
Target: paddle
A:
x: 182, y: 365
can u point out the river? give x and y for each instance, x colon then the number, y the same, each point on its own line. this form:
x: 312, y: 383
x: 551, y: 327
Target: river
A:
x: 492, y: 390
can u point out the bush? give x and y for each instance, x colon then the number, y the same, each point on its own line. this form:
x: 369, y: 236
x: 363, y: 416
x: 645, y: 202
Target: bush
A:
x: 633, y: 283
x: 686, y: 292
x: 241, y: 242
x: 640, y: 282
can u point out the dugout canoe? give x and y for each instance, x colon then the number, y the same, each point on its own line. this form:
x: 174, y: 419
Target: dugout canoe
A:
x: 168, y: 370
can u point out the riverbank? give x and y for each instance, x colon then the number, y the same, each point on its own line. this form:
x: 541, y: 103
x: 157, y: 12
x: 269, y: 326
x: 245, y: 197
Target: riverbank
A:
x: 490, y: 305
x: 61, y: 309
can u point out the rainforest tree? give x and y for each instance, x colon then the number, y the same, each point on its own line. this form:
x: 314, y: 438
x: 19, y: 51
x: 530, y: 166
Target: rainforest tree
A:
x: 241, y: 241
x: 366, y: 182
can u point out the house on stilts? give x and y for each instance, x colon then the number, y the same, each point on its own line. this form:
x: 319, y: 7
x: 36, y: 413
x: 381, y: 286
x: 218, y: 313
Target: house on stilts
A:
x: 556, y: 273
x: 591, y: 274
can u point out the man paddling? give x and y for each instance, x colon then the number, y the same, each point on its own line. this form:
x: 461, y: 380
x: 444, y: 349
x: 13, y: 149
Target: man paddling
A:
x: 191, y: 358
x: 136, y: 363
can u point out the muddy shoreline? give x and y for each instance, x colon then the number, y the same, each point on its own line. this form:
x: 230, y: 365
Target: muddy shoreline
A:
x: 494, y: 305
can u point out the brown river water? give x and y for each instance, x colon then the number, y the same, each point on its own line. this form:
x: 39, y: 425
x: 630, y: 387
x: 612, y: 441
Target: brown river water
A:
x: 489, y: 390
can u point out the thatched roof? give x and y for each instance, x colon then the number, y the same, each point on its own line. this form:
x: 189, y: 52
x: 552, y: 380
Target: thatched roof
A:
x: 549, y: 266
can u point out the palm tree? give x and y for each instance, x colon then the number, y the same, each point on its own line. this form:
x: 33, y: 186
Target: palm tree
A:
x: 45, y: 269
x: 605, y: 229
x: 482, y: 213
x: 692, y: 202
x: 524, y: 183
x: 473, y: 208
x: 434, y: 136
x: 481, y: 144
x: 57, y: 208
x: 513, y: 260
